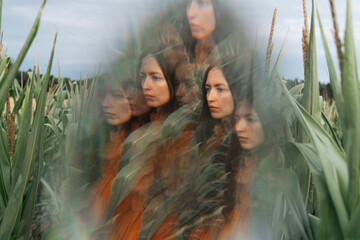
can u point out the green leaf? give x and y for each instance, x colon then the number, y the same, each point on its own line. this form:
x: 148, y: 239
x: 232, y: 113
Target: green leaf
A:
x: 23, y: 135
x: 29, y: 204
x: 133, y: 164
x: 310, y: 99
x: 153, y: 216
x: 277, y: 61
x: 6, y: 83
x: 334, y: 81
x: 5, y: 174
x: 11, y: 212
x: 20, y: 101
x: 328, y: 166
x: 351, y: 113
x: 16, y: 197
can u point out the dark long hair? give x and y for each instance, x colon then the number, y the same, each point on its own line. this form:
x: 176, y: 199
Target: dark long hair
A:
x: 265, y: 96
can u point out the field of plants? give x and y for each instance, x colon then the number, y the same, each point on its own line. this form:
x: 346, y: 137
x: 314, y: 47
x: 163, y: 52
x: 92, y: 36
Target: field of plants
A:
x: 39, y: 161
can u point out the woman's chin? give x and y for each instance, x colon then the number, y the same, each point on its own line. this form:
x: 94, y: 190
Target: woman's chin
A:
x: 116, y: 122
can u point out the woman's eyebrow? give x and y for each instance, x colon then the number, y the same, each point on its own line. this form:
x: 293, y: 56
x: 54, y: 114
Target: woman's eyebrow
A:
x: 220, y: 85
x: 154, y: 73
x: 248, y: 115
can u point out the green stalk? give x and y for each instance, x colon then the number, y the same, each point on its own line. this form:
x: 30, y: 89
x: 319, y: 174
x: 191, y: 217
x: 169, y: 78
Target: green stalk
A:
x: 310, y: 99
x: 29, y: 204
x: 351, y: 113
x: 334, y: 81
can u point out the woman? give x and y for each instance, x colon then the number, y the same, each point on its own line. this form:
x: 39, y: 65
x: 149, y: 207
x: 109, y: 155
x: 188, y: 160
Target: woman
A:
x: 139, y: 109
x: 252, y: 159
x: 250, y: 136
x: 188, y: 89
x: 211, y: 134
x: 206, y: 23
x: 157, y: 81
x: 116, y: 114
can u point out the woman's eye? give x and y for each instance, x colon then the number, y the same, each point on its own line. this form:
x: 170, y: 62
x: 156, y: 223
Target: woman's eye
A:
x: 220, y: 89
x: 207, y: 90
x: 117, y: 95
x: 250, y: 120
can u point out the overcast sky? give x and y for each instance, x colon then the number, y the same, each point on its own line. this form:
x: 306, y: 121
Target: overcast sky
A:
x: 89, y: 29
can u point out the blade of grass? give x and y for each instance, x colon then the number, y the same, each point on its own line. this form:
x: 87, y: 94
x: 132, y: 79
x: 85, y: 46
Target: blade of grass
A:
x: 6, y: 83
x: 29, y: 205
x: 351, y: 113
x: 16, y: 197
x: 334, y: 81
x: 5, y: 183
x: 310, y: 99
x: 23, y: 134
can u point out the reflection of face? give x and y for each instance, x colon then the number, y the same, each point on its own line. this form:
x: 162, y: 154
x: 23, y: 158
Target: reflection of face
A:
x: 186, y: 88
x: 201, y: 17
x: 116, y: 107
x: 154, y: 85
x: 248, y: 126
x: 218, y: 95
x: 137, y: 102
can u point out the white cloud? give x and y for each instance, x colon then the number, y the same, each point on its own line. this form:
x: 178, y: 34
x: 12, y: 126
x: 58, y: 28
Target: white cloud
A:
x: 87, y: 28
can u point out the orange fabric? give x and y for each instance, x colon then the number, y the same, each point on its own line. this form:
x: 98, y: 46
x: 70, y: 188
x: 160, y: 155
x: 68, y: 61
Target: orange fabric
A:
x: 100, y: 192
x: 239, y: 225
x: 172, y: 166
x: 130, y: 211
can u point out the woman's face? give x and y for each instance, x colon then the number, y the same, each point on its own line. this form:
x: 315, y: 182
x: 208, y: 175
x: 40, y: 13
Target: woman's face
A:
x: 186, y: 89
x: 116, y: 107
x: 154, y: 85
x: 201, y: 18
x: 218, y: 95
x: 248, y: 126
x: 137, y: 102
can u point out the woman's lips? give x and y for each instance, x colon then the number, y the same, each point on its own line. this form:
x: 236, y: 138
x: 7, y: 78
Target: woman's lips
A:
x: 195, y: 27
x: 243, y: 139
x: 109, y: 115
x: 213, y: 109
x: 149, y: 97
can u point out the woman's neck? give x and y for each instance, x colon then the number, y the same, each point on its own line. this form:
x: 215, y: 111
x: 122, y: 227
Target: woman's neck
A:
x: 203, y: 48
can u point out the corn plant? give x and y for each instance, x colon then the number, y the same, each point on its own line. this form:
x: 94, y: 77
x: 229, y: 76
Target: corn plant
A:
x: 334, y: 161
x: 21, y: 164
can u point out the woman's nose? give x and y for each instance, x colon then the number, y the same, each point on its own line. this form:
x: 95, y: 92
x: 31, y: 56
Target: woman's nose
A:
x: 180, y: 92
x: 107, y: 101
x: 240, y: 125
x: 146, y: 85
x: 211, y: 96
x: 192, y: 10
